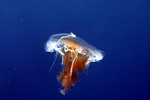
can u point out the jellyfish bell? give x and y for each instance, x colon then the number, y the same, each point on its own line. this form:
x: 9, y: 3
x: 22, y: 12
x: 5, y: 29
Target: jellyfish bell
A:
x: 76, y: 55
x: 61, y: 42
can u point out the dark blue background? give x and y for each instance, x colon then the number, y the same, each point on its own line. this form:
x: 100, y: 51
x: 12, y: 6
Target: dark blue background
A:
x: 120, y: 28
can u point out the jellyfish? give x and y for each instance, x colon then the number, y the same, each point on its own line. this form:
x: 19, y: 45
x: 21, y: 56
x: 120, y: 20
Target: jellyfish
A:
x: 76, y: 56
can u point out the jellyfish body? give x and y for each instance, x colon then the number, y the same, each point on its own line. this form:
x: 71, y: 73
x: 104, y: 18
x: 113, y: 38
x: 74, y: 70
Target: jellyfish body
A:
x: 76, y: 55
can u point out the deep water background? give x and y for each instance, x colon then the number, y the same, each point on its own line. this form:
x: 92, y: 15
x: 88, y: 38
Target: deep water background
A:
x: 120, y: 28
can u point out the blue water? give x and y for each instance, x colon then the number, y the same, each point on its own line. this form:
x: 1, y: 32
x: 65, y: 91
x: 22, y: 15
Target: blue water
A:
x: 120, y: 28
